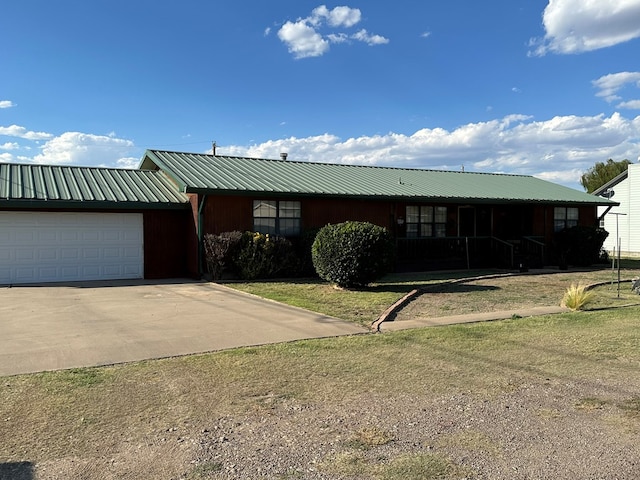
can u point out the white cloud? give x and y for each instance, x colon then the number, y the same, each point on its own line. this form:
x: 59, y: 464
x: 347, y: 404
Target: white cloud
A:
x: 425, y: 35
x: 575, y: 26
x: 631, y: 105
x: 9, y: 146
x: 76, y: 148
x: 369, y: 39
x: 6, y: 104
x: 21, y: 132
x: 338, y: 17
x: 558, y: 149
x: 609, y: 85
x: 304, y: 38
x: 128, y: 162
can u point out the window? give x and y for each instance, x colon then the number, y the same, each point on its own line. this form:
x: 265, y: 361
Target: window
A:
x: 426, y: 221
x: 564, y: 217
x: 276, y: 217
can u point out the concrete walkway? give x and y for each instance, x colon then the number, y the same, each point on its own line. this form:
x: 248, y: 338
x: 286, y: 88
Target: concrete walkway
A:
x: 393, y: 326
x: 78, y: 325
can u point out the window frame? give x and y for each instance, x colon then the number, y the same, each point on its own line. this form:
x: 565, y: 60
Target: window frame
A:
x: 285, y: 221
x: 431, y: 221
x: 562, y: 218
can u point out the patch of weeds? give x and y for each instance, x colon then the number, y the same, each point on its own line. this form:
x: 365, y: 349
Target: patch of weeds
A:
x: 590, y: 404
x: 369, y: 437
x: 515, y: 316
x: 75, y: 378
x: 348, y: 464
x: 424, y: 466
x: 204, y: 469
x: 471, y: 440
x: 549, y: 413
x: 632, y: 408
x: 292, y: 474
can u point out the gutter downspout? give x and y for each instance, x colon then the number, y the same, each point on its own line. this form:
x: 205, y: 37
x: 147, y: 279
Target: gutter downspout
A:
x: 201, y: 234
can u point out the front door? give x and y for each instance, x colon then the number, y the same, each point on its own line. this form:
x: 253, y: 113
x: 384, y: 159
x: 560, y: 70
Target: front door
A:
x: 466, y: 222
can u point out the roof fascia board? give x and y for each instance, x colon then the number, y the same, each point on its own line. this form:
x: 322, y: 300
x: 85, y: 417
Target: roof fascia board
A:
x: 597, y: 201
x: 611, y: 183
x: 88, y: 205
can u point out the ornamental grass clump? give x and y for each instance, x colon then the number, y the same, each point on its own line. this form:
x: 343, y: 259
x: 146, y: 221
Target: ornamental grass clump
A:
x: 576, y: 297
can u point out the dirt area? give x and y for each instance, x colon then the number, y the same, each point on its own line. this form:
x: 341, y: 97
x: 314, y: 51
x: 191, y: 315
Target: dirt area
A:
x: 546, y: 429
x: 511, y: 292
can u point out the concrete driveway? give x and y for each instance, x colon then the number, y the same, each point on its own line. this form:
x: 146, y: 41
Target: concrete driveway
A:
x: 65, y: 326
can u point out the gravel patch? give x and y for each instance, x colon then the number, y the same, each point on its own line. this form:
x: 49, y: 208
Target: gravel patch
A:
x: 544, y: 430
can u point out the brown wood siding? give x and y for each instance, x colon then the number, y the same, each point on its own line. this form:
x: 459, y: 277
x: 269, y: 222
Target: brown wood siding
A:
x: 166, y: 238
x: 319, y: 212
x: 227, y: 213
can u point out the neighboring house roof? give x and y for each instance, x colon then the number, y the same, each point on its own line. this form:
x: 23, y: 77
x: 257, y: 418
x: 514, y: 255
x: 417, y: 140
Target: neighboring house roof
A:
x: 611, y: 183
x: 201, y: 173
x: 48, y: 186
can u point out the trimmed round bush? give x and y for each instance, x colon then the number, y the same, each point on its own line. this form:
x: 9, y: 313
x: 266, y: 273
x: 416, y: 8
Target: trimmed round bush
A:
x: 352, y: 254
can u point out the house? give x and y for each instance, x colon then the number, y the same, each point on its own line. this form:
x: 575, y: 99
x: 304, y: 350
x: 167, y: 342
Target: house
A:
x: 623, y: 220
x: 439, y: 218
x: 73, y: 223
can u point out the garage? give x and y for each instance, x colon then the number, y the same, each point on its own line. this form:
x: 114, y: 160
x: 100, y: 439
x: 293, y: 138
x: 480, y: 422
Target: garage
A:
x: 38, y: 247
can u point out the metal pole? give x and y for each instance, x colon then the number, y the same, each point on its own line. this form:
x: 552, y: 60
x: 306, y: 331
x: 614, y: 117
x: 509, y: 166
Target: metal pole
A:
x: 468, y: 262
x: 619, y: 242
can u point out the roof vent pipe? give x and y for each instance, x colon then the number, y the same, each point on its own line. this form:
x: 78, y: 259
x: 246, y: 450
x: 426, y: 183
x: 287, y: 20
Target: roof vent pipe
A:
x: 284, y: 155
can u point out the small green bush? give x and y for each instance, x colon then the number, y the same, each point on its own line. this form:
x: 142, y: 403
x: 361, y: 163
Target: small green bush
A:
x: 220, y: 251
x: 352, y: 254
x: 265, y: 256
x: 580, y: 246
x: 250, y: 255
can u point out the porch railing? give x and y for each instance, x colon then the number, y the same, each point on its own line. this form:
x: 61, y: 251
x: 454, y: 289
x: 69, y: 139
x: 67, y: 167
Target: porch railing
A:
x: 503, y: 252
x: 449, y: 252
x: 534, y: 250
x: 469, y: 252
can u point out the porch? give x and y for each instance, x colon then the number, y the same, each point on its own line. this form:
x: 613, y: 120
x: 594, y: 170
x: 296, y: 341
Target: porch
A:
x: 433, y: 253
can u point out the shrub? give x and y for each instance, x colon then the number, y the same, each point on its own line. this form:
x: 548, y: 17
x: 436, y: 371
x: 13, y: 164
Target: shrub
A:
x: 576, y: 297
x: 220, y: 250
x: 302, y: 246
x: 352, y: 254
x: 249, y: 255
x: 580, y: 246
x: 265, y: 256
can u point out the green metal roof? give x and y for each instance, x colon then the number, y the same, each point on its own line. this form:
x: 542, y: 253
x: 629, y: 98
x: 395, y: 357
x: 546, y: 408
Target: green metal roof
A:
x: 201, y: 173
x: 31, y: 186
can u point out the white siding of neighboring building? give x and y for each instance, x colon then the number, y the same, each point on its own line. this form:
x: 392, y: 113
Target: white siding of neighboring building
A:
x: 625, y: 218
x: 633, y: 202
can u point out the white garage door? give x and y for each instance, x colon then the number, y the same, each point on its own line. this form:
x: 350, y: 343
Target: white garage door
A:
x: 60, y: 247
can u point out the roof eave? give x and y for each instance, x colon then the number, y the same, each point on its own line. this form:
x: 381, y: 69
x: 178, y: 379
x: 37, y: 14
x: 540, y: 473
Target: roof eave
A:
x: 150, y: 157
x: 12, y: 204
x: 597, y: 201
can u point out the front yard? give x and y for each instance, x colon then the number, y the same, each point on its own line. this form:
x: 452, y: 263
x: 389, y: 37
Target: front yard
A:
x: 546, y: 397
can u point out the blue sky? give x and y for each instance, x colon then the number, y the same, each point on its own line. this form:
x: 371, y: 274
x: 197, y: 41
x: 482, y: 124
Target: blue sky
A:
x: 545, y: 88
